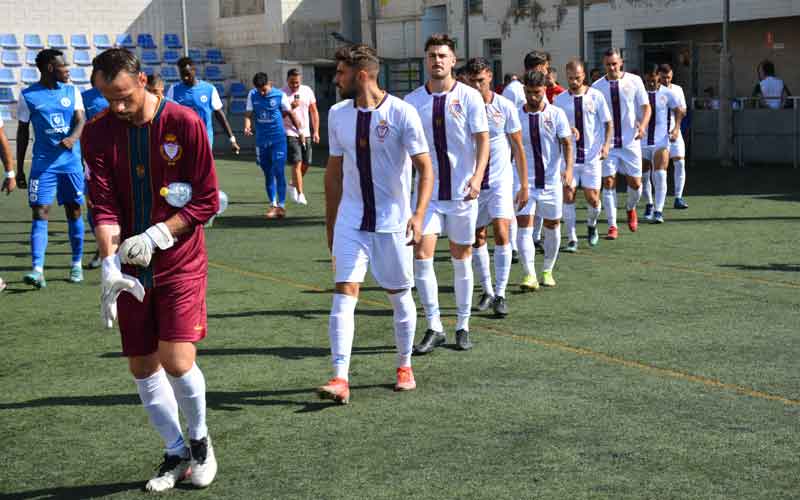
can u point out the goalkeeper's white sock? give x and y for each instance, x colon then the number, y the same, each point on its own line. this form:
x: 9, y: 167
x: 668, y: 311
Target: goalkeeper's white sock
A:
x: 159, y: 401
x: 190, y: 391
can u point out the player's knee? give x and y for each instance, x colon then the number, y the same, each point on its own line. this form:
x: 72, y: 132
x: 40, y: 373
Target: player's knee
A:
x: 460, y: 252
x: 551, y: 223
x: 608, y: 182
x: 142, y: 367
x: 41, y: 212
x: 73, y: 211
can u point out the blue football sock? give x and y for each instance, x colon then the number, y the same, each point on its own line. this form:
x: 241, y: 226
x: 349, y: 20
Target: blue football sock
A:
x: 279, y: 172
x: 90, y: 219
x: 38, y: 243
x: 75, y: 229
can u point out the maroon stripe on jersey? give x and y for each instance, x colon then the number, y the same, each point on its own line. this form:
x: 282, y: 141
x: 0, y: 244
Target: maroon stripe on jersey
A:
x: 536, y: 146
x: 580, y: 145
x: 616, y: 111
x: 651, y: 127
x: 364, y: 165
x: 440, y: 143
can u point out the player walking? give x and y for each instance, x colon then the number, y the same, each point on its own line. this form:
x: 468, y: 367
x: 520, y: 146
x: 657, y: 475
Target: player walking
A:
x: 677, y: 148
x: 304, y: 108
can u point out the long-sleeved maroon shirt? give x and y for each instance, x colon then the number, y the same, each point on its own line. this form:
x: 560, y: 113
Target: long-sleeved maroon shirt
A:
x: 130, y: 165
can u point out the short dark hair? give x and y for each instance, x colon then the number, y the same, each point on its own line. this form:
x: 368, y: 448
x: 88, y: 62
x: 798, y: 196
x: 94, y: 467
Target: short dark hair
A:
x: 535, y: 79
x: 438, y: 39
x: 651, y: 69
x: 45, y: 57
x: 574, y: 64
x: 611, y: 52
x: 260, y: 79
x: 114, y: 61
x: 768, y: 67
x: 476, y: 65
x: 536, y: 58
x: 185, y: 61
x: 154, y: 79
x: 461, y: 71
x: 665, y: 68
x: 359, y: 56
x: 293, y: 72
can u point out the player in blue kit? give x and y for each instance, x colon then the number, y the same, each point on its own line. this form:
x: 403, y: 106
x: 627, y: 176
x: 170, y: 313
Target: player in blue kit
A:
x: 203, y: 98
x: 267, y: 105
x: 55, y: 109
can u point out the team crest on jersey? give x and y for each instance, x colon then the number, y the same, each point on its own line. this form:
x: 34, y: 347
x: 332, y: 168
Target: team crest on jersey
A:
x: 662, y: 100
x: 57, y: 120
x: 548, y: 125
x: 456, y: 109
x: 65, y: 101
x: 273, y: 103
x: 495, y: 115
x: 204, y: 99
x: 382, y: 130
x: 628, y: 90
x: 171, y: 151
x: 588, y: 105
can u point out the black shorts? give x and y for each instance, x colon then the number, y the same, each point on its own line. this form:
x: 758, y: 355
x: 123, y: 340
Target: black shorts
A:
x: 297, y: 152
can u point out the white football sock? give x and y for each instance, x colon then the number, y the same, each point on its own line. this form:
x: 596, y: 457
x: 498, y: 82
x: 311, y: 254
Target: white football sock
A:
x: 405, y: 325
x: 647, y: 189
x: 159, y: 401
x: 341, y: 330
x: 592, y: 214
x: 481, y: 265
x: 463, y: 285
x: 502, y: 268
x: 537, y: 228
x: 428, y: 290
x: 679, y: 177
x: 660, y: 180
x: 610, y: 202
x: 190, y: 392
x: 633, y: 197
x: 552, y: 240
x: 570, y: 218
x: 512, y: 234
x: 526, y: 250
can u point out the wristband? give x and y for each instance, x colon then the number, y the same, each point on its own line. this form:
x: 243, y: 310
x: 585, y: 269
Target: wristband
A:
x: 10, y: 174
x: 232, y: 139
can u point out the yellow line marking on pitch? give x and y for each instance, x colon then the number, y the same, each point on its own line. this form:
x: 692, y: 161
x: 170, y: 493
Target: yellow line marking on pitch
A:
x: 551, y: 344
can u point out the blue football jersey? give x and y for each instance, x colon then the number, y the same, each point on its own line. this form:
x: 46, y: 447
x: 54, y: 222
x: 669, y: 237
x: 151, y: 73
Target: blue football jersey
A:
x: 50, y: 112
x: 202, y: 97
x: 268, y: 114
x: 94, y: 102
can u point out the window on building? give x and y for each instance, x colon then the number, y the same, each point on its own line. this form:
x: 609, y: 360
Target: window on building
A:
x: 237, y: 8
x: 475, y: 7
x: 523, y: 4
x: 599, y: 42
x: 493, y: 48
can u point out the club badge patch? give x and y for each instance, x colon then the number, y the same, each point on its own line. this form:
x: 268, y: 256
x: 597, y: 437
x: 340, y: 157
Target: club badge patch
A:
x: 456, y: 109
x: 662, y: 100
x: 548, y: 125
x: 204, y: 99
x: 382, y: 130
x: 66, y: 102
x: 171, y: 151
x: 588, y: 105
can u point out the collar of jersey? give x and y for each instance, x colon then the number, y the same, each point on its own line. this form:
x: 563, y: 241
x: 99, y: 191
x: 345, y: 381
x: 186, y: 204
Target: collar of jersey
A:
x: 367, y: 110
x: 440, y: 93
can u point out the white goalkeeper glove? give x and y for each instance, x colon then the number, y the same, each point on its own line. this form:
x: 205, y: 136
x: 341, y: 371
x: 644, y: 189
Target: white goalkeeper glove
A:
x: 113, y: 283
x: 138, y: 250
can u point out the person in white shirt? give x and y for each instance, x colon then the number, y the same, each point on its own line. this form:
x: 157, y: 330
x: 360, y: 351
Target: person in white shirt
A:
x: 454, y: 117
x: 374, y: 138
x: 304, y: 108
x: 630, y: 110
x: 590, y: 120
x: 677, y: 149
x: 662, y: 130
x: 546, y: 135
x: 771, y: 89
x: 497, y: 200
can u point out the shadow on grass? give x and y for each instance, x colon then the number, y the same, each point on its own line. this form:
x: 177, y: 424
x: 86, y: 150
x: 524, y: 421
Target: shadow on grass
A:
x: 786, y: 268
x: 28, y: 268
x: 298, y: 313
x: 86, y: 491
x: 329, y: 291
x: 290, y: 352
x: 28, y: 254
x: 258, y: 221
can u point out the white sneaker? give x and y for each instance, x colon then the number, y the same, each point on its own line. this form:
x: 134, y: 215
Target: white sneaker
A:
x: 204, y: 463
x: 293, y: 194
x: 301, y: 199
x: 172, y: 470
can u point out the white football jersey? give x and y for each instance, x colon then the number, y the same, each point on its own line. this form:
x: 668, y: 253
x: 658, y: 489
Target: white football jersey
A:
x: 624, y: 97
x: 376, y: 146
x: 503, y: 119
x: 662, y: 102
x: 588, y: 113
x: 541, y: 134
x: 515, y: 92
x: 681, y: 97
x: 450, y: 120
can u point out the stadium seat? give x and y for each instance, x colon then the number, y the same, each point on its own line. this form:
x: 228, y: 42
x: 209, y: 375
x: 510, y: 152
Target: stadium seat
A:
x: 213, y: 73
x: 172, y: 41
x: 30, y: 57
x: 102, y: 41
x: 237, y: 107
x: 238, y: 90
x: 11, y: 58
x: 79, y: 41
x: 145, y: 41
x: 214, y: 56
x: 150, y: 56
x: 82, y: 58
x: 33, y: 41
x: 171, y: 56
x: 125, y: 40
x: 149, y: 70
x: 30, y: 75
x: 197, y: 55
x: 6, y: 112
x: 8, y: 76
x: 56, y: 42
x: 169, y: 74
x: 79, y: 76
x: 7, y: 95
x: 221, y: 90
x: 9, y: 41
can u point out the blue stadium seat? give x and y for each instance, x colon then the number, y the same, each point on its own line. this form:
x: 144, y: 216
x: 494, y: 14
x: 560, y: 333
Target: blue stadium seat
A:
x: 33, y: 41
x: 172, y: 41
x: 7, y: 95
x: 30, y: 57
x: 30, y: 75
x: 197, y: 55
x: 171, y: 56
x: 79, y: 41
x: 79, y: 76
x: 56, y: 42
x: 11, y: 58
x: 8, y: 76
x: 101, y: 41
x: 82, y: 58
x: 149, y: 70
x: 150, y: 56
x: 214, y: 56
x: 170, y: 74
x: 125, y: 40
x: 145, y: 41
x: 221, y: 90
x: 213, y: 73
x: 9, y: 41
x: 6, y: 112
x: 237, y: 107
x: 238, y: 90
